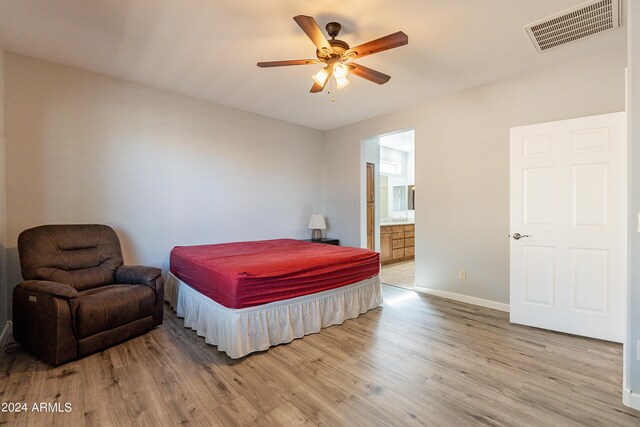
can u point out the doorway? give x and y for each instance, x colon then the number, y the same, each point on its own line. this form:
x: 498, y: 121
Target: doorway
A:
x: 390, y: 216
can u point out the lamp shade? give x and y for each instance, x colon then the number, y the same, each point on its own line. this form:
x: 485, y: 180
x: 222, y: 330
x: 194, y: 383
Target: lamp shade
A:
x: 321, y: 76
x: 340, y: 71
x: 341, y: 83
x: 317, y: 222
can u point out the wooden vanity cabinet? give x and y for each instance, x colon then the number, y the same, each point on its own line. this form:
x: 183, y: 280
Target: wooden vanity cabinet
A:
x: 396, y: 243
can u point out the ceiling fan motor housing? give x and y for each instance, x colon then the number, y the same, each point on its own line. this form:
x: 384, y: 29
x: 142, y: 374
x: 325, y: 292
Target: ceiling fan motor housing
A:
x: 338, y: 46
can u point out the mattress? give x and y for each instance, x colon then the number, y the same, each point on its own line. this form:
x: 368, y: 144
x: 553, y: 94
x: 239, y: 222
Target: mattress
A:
x: 246, y: 274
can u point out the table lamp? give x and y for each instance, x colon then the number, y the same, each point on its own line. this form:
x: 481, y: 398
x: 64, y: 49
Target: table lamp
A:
x: 317, y: 224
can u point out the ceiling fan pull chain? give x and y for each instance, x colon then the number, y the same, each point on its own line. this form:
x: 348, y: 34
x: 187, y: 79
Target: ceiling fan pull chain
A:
x: 332, y: 92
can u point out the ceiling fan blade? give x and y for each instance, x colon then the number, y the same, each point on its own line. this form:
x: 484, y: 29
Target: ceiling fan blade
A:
x: 285, y: 63
x: 378, y: 45
x: 316, y: 88
x: 311, y: 29
x: 368, y: 73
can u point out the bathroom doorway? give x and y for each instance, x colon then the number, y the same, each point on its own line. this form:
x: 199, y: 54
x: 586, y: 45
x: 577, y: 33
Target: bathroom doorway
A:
x: 392, y: 157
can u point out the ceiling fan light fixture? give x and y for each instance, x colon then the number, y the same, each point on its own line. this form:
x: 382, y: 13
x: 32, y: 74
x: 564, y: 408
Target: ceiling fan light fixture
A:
x: 321, y: 76
x: 340, y: 70
x: 342, y: 82
x: 334, y: 53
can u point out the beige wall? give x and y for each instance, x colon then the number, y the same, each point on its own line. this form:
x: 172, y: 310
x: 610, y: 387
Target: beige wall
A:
x: 162, y: 169
x: 4, y: 295
x: 632, y: 368
x: 462, y: 166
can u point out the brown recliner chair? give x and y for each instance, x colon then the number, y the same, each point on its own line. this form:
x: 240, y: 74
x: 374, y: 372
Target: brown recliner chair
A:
x: 77, y: 297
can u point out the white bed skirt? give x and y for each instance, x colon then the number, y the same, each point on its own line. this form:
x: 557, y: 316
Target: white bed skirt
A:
x: 239, y: 332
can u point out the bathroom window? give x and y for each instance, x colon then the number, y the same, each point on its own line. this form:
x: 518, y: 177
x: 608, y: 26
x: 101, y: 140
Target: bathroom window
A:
x: 390, y: 168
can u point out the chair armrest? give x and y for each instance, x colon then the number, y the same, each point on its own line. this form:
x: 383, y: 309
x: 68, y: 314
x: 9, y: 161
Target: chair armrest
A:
x: 44, y: 319
x: 137, y: 274
x: 51, y: 288
x: 150, y: 276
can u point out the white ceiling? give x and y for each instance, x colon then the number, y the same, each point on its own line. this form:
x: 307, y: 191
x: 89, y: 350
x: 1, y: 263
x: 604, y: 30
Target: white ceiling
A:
x: 209, y: 49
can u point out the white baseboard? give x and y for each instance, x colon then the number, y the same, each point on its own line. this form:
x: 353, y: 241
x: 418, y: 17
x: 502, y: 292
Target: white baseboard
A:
x: 5, y: 332
x: 630, y: 398
x: 464, y: 298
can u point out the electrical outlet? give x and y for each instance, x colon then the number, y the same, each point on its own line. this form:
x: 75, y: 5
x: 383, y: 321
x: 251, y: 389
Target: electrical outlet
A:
x: 462, y: 274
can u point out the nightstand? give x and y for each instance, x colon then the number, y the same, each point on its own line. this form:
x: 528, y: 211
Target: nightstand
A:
x: 326, y: 241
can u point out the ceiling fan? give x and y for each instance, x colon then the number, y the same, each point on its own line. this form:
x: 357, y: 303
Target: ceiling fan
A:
x: 336, y: 54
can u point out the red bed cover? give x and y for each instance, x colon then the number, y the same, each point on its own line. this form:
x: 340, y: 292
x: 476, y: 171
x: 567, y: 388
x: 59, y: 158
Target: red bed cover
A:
x: 245, y: 274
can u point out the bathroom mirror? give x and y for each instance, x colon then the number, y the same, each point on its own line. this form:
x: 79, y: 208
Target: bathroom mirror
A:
x: 399, y: 198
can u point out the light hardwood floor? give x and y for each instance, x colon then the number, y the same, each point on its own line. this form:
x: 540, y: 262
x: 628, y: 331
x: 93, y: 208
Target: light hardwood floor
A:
x: 417, y: 360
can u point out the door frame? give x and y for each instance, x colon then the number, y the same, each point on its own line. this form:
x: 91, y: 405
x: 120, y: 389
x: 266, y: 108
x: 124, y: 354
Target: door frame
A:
x: 364, y: 144
x: 371, y: 221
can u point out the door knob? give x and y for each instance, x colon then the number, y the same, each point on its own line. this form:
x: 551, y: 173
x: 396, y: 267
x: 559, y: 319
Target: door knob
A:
x: 518, y: 236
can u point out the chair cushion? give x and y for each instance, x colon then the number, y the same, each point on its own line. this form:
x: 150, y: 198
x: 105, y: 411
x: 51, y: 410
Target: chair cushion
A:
x: 108, y: 307
x: 84, y: 256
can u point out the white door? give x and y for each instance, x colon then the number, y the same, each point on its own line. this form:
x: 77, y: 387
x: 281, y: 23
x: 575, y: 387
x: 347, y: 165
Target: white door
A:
x: 569, y: 204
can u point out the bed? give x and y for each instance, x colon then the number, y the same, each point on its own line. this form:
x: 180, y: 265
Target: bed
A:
x: 248, y: 296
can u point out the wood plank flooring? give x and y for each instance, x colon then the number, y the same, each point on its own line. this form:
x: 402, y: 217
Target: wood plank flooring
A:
x: 417, y: 360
